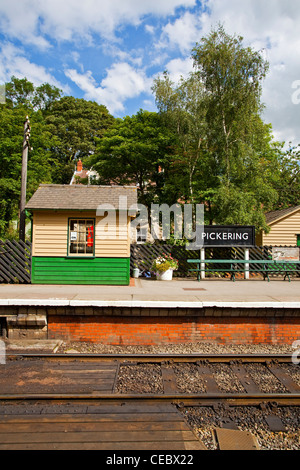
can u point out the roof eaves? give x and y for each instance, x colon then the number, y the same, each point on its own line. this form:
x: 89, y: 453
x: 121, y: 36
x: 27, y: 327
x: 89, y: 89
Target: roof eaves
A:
x: 282, y: 215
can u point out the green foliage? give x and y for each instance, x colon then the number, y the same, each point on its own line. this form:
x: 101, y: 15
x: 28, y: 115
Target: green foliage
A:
x: 77, y: 124
x: 164, y: 263
x: 225, y: 157
x: 134, y: 151
x: 182, y: 109
x: 21, y: 92
x: 62, y: 129
x: 207, y: 144
x: 286, y: 177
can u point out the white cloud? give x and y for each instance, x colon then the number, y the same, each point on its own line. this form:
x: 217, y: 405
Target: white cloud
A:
x: 256, y: 19
x: 14, y: 62
x: 270, y: 25
x: 178, y: 68
x: 134, y: 57
x: 20, y: 20
x: 74, y: 19
x: 122, y: 82
x: 150, y: 29
x: 183, y: 33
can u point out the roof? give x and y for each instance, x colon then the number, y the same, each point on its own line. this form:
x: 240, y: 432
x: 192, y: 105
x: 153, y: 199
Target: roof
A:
x: 80, y: 197
x: 274, y: 216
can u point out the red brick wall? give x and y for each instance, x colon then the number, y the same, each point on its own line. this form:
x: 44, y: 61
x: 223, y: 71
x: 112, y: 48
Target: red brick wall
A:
x: 164, y: 330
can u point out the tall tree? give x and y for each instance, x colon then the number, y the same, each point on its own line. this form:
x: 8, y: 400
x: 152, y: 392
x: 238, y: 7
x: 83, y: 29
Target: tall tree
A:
x: 232, y: 76
x: 183, y: 110
x: 286, y: 177
x: 22, y: 92
x: 77, y: 124
x: 61, y: 130
x: 229, y: 143
x: 135, y: 151
x: 39, y: 159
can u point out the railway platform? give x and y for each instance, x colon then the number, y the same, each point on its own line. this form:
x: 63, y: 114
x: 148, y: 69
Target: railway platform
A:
x: 152, y: 312
x: 145, y: 293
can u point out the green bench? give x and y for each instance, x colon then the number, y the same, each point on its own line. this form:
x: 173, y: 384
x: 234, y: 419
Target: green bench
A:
x: 264, y: 267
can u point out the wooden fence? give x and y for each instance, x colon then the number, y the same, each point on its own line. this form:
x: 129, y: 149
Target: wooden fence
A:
x: 15, y: 262
x: 142, y: 256
x: 15, y: 258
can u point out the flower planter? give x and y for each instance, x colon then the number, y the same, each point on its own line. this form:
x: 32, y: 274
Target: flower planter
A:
x: 166, y: 276
x: 164, y: 266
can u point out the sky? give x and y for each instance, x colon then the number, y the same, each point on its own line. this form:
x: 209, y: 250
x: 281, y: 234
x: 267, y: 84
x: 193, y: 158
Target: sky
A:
x: 110, y: 51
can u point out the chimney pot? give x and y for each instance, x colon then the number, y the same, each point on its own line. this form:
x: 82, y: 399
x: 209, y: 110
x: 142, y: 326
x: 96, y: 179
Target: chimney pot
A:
x: 79, y: 166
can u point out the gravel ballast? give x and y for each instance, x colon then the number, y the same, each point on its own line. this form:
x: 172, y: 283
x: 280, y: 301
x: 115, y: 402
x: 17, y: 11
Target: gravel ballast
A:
x: 189, y: 348
x: 147, y: 378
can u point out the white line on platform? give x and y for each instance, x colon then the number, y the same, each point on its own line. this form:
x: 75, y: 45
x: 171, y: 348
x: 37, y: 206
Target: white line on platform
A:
x: 143, y: 304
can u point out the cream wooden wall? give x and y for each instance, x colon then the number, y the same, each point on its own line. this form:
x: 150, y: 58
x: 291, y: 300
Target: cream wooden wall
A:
x: 284, y: 232
x: 50, y: 234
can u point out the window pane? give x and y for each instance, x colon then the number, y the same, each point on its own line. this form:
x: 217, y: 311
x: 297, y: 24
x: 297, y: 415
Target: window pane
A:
x: 74, y: 225
x: 81, y: 238
x: 73, y: 248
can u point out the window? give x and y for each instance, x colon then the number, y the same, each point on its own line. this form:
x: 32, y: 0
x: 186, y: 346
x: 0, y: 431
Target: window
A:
x: 298, y: 240
x: 81, y: 237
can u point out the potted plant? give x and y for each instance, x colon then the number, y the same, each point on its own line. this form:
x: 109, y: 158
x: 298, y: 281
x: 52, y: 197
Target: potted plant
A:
x: 164, y: 266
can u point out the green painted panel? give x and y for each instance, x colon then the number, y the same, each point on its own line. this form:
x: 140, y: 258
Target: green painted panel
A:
x: 97, y: 271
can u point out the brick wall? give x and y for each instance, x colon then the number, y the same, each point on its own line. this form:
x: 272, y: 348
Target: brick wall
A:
x: 163, y: 330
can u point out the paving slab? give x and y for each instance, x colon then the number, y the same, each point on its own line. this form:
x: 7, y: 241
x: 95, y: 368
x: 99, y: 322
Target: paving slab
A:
x: 177, y: 293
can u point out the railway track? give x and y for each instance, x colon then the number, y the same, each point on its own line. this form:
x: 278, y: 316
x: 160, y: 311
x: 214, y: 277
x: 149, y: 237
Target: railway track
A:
x: 185, y: 380
x: 144, y: 402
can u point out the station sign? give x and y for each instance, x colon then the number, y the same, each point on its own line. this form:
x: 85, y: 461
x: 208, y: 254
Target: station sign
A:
x: 228, y: 236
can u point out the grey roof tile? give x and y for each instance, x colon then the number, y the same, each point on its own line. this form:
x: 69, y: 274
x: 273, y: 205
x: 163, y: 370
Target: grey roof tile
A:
x: 276, y: 215
x: 79, y: 197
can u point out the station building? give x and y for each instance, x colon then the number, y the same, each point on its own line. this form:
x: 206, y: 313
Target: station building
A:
x: 71, y: 241
x: 285, y: 228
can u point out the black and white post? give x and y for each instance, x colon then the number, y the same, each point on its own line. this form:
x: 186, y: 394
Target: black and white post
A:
x: 26, y: 138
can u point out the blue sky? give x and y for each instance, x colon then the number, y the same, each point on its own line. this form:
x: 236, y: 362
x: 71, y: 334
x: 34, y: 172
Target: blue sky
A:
x: 110, y: 51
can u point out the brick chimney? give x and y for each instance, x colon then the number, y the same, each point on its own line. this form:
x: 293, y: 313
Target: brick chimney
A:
x: 79, y: 166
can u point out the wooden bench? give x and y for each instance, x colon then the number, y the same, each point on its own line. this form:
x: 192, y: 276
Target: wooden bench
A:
x: 264, y: 267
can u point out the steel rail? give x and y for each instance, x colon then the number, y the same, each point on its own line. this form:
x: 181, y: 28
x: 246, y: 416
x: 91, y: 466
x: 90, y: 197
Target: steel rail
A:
x: 234, y: 399
x: 217, y: 358
x: 184, y: 399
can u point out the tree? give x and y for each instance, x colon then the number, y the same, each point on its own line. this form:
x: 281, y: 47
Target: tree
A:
x: 232, y: 76
x: 183, y: 110
x: 134, y: 151
x: 21, y: 92
x: 23, y: 98
x: 286, y: 177
x: 77, y: 125
x: 62, y: 129
x: 224, y: 143
x: 45, y: 96
x: 39, y: 159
